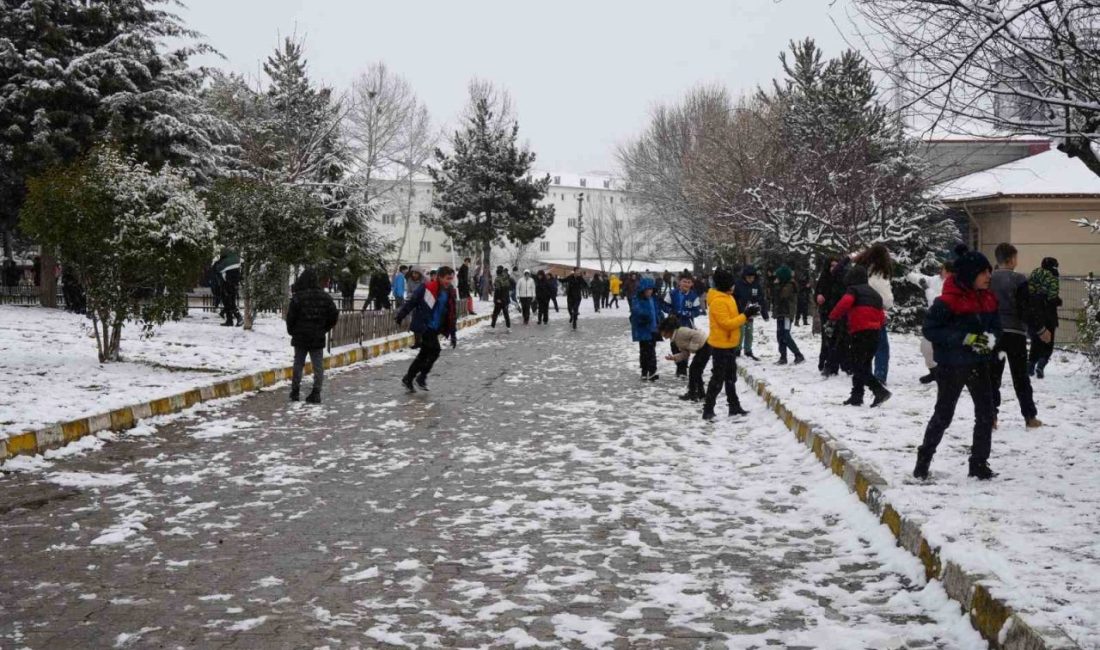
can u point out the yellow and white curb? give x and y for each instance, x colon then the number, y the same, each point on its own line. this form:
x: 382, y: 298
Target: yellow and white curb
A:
x: 1000, y: 625
x: 36, y: 442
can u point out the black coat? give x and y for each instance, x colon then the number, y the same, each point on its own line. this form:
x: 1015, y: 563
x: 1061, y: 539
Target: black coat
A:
x: 575, y: 286
x: 311, y: 315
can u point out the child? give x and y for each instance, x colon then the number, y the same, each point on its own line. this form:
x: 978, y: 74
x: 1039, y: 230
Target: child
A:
x: 724, y: 338
x: 933, y: 287
x: 311, y: 314
x: 784, y: 297
x: 863, y: 307
x: 963, y: 324
x: 643, y: 328
x: 683, y: 303
x: 687, y: 341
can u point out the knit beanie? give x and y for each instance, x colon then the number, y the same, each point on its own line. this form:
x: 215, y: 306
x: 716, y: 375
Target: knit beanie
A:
x: 969, y: 265
x: 783, y: 273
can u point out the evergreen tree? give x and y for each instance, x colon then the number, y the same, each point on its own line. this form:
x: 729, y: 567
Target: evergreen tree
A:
x: 484, y: 193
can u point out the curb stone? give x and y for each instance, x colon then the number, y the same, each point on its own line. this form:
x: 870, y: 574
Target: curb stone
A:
x: 126, y: 417
x: 1000, y: 625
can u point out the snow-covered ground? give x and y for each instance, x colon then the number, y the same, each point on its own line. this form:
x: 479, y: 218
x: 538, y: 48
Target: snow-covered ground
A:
x: 1036, y: 526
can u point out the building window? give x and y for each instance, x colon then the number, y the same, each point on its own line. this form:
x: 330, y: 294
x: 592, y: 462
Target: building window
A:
x: 557, y: 180
x: 607, y: 184
x: 572, y: 223
x: 572, y: 247
x: 584, y: 182
x: 611, y: 199
x: 544, y: 247
x: 425, y: 247
x: 389, y: 219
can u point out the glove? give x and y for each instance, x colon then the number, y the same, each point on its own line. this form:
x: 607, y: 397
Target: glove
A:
x: 454, y: 341
x: 977, y: 342
x: 752, y: 311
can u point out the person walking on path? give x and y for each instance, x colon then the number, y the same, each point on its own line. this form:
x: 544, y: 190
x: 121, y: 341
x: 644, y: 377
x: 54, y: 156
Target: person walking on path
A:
x: 802, y: 304
x: 961, y: 324
x: 643, y: 328
x: 683, y: 303
x: 310, y: 316
x: 555, y: 289
x: 464, y: 284
x: 229, y: 267
x: 526, y: 291
x: 502, y: 297
x: 726, y: 323
x: 1011, y: 291
x: 575, y: 288
x: 614, y: 286
x: 544, y: 289
x: 747, y: 292
x: 597, y: 291
x: 861, y: 305
x: 398, y: 285
x: 688, y: 342
x: 880, y: 270
x: 786, y: 314
x: 1043, y: 293
x: 434, y: 306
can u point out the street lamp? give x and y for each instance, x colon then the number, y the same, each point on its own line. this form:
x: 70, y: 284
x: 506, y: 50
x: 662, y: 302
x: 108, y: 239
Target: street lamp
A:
x: 580, y: 228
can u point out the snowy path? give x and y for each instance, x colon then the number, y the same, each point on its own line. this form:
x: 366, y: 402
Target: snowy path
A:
x: 545, y: 499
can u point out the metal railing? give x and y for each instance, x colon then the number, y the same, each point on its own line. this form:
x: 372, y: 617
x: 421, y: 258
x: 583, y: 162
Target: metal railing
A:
x: 365, y: 325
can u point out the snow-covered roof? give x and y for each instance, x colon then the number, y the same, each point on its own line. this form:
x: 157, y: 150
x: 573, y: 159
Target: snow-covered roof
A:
x: 1050, y: 173
x: 594, y: 180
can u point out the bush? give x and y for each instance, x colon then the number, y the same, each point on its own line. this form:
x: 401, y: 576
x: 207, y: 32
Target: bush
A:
x: 1088, y: 327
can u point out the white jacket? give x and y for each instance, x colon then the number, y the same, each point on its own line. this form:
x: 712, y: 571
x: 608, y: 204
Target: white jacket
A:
x: 882, y: 286
x: 525, y: 287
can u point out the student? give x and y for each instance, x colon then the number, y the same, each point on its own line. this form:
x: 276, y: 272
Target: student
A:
x: 960, y: 324
x: 1043, y: 293
x: 543, y: 291
x: 786, y: 315
x: 1011, y: 291
x: 502, y: 294
x: 683, y: 303
x: 749, y: 291
x: 880, y: 270
x: 575, y: 289
x: 525, y: 290
x: 862, y: 306
x: 933, y: 287
x: 614, y: 286
x: 399, y: 286
x: 555, y: 289
x: 310, y: 316
x: 687, y: 341
x: 726, y: 323
x: 802, y: 313
x: 434, y: 306
x: 643, y: 328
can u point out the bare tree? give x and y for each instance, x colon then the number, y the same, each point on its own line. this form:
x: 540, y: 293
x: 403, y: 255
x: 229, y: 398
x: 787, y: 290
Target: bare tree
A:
x: 597, y: 229
x: 1013, y: 66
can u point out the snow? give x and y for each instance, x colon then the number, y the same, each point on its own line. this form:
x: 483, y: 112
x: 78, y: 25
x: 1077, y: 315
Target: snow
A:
x: 1035, y: 526
x: 1050, y: 172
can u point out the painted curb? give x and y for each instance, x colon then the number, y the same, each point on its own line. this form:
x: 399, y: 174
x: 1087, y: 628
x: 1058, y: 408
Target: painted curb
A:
x: 58, y: 435
x: 1000, y: 625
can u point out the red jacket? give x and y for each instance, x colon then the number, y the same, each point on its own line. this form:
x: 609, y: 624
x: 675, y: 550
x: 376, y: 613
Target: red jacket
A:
x: 864, y: 312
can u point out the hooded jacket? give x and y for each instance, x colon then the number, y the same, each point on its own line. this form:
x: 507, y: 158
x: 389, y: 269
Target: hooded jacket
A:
x: 725, y: 320
x: 615, y: 285
x: 684, y: 306
x: 434, y: 309
x: 311, y: 314
x: 957, y: 313
x: 645, y: 314
x: 525, y: 288
x: 750, y: 293
x: 860, y: 303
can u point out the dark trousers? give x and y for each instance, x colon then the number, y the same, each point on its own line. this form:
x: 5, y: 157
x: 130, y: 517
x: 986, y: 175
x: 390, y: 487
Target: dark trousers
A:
x: 1040, y: 353
x: 574, y: 307
x: 554, y: 299
x: 647, y: 357
x: 1014, y: 347
x: 681, y: 366
x: 544, y: 311
x: 596, y: 301
x: 501, y: 307
x: 722, y: 375
x: 695, y: 371
x: 862, y: 351
x: 786, y: 341
x: 614, y: 300
x: 426, y: 357
x: 950, y: 380
x: 605, y: 299
x: 317, y: 359
x: 229, y: 300
x: 525, y: 307
x: 802, y: 315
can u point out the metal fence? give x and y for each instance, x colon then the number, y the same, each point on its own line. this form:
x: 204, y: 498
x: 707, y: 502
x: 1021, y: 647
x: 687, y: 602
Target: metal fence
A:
x: 365, y: 325
x: 1073, y: 292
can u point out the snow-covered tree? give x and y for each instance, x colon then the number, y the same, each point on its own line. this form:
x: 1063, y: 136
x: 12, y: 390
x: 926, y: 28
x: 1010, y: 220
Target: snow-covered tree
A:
x: 131, y: 236
x: 1091, y: 224
x: 272, y: 225
x: 484, y: 192
x: 1088, y: 327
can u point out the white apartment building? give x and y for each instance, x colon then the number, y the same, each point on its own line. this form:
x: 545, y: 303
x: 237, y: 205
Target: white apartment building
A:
x: 606, y: 203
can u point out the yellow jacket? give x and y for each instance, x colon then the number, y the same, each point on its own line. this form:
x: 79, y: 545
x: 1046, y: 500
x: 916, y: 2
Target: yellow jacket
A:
x: 725, y: 320
x: 616, y: 284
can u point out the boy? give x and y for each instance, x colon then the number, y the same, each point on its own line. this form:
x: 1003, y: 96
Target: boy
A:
x: 682, y: 303
x: 725, y: 336
x: 1011, y: 290
x: 643, y: 328
x: 749, y: 291
x: 435, y: 313
x: 502, y: 294
x: 960, y: 325
x: 399, y: 286
x: 685, y: 342
x: 311, y: 315
x: 863, y: 307
x: 784, y: 296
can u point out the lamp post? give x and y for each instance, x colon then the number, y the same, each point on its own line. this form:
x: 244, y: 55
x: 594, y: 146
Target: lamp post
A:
x: 580, y: 225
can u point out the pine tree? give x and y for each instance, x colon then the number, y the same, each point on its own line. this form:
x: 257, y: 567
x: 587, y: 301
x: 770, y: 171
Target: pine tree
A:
x: 484, y: 193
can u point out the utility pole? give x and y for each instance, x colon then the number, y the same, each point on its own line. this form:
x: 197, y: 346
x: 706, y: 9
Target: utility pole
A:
x: 580, y: 225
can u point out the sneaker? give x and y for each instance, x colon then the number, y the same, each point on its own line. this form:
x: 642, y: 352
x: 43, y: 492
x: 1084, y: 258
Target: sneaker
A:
x: 689, y: 397
x: 851, y: 401
x: 929, y: 378
x: 752, y: 356
x: 782, y: 361
x: 407, y: 382
x: 1038, y: 373
x: 654, y: 377
x: 737, y: 410
x: 923, y: 463
x: 1034, y: 423
x: 981, y: 471
x: 708, y: 415
x: 422, y: 382
x: 799, y: 359
x: 881, y: 398
x: 314, y: 397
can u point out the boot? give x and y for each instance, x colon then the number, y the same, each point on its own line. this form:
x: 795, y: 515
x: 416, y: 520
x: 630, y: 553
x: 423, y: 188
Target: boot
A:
x: 798, y: 358
x: 654, y: 377
x: 980, y: 470
x: 880, y: 397
x: 422, y: 382
x: 314, y: 397
x: 930, y: 377
x: 782, y: 361
x: 690, y: 396
x: 407, y: 382
x: 924, y: 461
x: 240, y: 320
x: 853, y: 401
x: 708, y: 414
x: 1034, y: 423
x: 295, y: 395
x: 735, y: 409
x: 228, y: 322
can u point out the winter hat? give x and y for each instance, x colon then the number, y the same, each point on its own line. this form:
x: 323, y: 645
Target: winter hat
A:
x: 1050, y: 264
x: 855, y: 275
x: 500, y: 270
x: 969, y: 266
x: 307, y: 280
x: 646, y: 283
x: 784, y: 273
x: 723, y: 280
x: 748, y: 270
x: 527, y: 271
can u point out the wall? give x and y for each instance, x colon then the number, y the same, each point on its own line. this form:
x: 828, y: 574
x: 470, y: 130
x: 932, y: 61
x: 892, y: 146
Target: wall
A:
x: 1040, y: 227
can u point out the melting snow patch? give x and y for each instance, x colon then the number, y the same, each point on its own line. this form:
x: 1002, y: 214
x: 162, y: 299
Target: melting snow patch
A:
x: 247, y: 624
x: 365, y: 574
x: 88, y: 479
x: 589, y: 632
x: 125, y: 639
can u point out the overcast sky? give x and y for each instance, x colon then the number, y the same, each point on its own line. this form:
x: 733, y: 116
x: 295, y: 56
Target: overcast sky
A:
x: 583, y: 74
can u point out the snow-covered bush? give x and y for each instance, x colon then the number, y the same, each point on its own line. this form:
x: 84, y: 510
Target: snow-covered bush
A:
x: 1088, y: 327
x: 133, y: 238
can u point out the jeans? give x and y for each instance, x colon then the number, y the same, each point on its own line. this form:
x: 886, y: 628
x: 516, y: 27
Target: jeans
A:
x: 950, y: 380
x: 786, y: 341
x: 574, y: 307
x: 695, y: 370
x: 722, y: 375
x: 426, y: 357
x: 501, y: 307
x: 317, y: 359
x: 525, y: 308
x: 614, y: 300
x: 746, y: 339
x: 647, y: 357
x: 1013, y: 346
x: 862, y: 350
x: 882, y: 356
x: 554, y: 299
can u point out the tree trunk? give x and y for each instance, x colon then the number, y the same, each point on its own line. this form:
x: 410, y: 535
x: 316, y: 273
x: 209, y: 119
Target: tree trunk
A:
x: 285, y: 307
x: 116, y: 342
x: 47, y: 290
x: 5, y: 233
x: 246, y: 296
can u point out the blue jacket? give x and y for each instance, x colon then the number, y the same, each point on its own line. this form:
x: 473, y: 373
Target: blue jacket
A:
x: 685, y: 306
x: 399, y: 286
x: 644, y: 314
x: 750, y: 294
x: 956, y: 314
x: 431, y: 312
